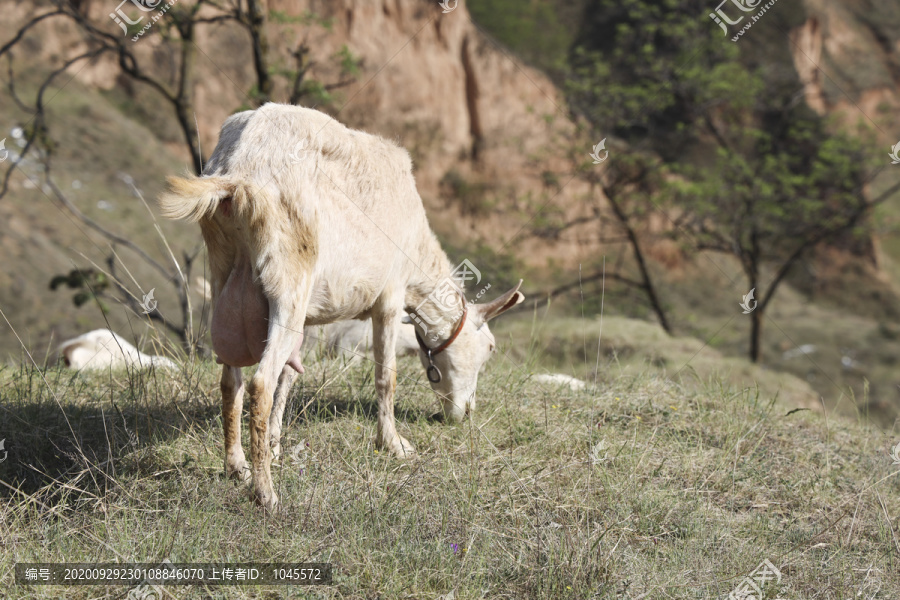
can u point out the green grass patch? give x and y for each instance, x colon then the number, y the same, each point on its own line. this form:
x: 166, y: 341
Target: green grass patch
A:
x: 644, y: 485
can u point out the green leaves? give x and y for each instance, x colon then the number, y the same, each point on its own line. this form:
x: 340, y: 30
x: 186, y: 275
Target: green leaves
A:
x: 535, y: 30
x: 350, y: 63
x: 90, y: 284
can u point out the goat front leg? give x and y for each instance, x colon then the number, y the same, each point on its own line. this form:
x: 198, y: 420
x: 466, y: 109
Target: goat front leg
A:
x: 282, y: 393
x: 285, y: 336
x: 384, y: 339
x: 232, y: 387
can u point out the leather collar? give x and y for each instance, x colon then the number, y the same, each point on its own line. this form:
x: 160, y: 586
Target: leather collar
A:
x: 432, y: 372
x: 450, y: 340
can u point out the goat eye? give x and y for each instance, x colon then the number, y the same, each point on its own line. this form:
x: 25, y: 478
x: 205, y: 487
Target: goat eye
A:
x: 491, y: 349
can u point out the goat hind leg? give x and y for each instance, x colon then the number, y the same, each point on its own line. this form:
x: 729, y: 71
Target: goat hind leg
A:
x: 282, y: 393
x: 232, y: 387
x: 285, y: 335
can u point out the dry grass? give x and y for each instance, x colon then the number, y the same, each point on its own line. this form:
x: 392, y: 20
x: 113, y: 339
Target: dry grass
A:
x: 642, y: 488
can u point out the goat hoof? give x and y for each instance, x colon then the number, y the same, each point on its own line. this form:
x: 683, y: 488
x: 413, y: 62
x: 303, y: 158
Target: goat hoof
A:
x: 238, y: 471
x: 268, y: 500
x: 400, y: 447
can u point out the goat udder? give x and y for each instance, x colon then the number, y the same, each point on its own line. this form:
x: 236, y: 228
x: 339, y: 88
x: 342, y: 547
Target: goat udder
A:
x: 240, y: 321
x: 239, y: 324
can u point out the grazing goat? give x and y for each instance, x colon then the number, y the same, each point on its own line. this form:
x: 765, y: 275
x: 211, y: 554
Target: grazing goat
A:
x: 308, y: 222
x: 102, y: 349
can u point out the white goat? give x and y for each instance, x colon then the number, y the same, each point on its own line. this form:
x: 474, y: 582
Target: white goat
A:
x: 102, y: 349
x: 308, y: 222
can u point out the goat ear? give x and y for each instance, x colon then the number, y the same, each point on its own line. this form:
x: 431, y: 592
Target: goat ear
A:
x: 502, y: 304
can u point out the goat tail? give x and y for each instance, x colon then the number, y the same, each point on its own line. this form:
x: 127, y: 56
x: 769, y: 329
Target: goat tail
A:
x: 195, y: 198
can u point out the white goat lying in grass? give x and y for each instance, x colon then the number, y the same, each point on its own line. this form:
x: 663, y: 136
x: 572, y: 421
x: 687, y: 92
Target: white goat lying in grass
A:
x: 102, y: 349
x: 559, y: 380
x: 308, y: 222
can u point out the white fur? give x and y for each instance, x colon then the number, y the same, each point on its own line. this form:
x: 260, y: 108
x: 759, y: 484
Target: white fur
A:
x: 102, y: 349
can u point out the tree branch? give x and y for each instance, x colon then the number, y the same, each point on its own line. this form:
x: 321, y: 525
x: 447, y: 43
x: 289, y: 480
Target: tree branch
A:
x: 24, y: 29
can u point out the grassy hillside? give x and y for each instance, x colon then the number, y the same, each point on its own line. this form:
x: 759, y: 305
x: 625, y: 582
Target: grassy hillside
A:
x: 845, y: 321
x: 644, y: 487
x: 629, y: 347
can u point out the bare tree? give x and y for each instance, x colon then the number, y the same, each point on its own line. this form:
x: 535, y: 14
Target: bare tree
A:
x: 627, y: 184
